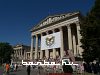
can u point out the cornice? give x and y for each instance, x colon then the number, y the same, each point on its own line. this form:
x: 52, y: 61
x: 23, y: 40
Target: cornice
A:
x: 38, y: 27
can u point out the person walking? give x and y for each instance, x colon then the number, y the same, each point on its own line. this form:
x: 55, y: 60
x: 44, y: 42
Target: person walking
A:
x: 7, y: 69
x: 28, y: 70
x: 15, y: 67
x: 98, y: 68
x: 67, y: 69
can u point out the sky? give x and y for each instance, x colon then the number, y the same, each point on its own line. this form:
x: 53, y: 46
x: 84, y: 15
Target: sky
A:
x: 17, y: 17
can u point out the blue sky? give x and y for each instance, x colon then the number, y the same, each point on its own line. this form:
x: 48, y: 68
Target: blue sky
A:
x: 17, y: 17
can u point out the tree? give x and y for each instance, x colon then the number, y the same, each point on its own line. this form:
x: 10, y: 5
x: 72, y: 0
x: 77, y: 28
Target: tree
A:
x: 6, y: 51
x: 90, y: 32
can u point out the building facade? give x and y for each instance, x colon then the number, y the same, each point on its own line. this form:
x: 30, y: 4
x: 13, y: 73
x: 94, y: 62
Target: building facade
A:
x: 56, y: 35
x: 21, y: 52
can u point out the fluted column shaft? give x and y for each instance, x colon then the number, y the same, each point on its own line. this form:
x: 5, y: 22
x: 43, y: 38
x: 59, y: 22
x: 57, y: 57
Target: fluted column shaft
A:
x: 47, y: 51
x: 36, y: 47
x: 22, y: 53
x: 41, y: 52
x: 69, y: 37
x: 62, y: 43
x: 54, y: 50
x: 74, y: 45
x: 25, y: 55
x: 31, y: 52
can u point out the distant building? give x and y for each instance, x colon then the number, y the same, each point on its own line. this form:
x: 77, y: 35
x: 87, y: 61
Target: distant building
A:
x: 21, y: 52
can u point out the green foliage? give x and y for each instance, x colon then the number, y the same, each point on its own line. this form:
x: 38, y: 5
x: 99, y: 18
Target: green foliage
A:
x: 90, y: 32
x: 5, y: 52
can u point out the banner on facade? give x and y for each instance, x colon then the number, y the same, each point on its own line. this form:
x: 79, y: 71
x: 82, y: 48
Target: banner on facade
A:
x: 51, y: 41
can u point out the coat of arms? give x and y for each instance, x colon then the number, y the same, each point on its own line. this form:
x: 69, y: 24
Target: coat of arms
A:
x: 50, y: 40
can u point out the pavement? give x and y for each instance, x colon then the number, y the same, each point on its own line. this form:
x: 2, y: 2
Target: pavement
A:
x: 22, y: 71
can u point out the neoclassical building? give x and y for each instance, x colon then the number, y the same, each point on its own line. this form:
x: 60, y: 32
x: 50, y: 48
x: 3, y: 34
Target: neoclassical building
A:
x: 21, y: 52
x: 56, y: 35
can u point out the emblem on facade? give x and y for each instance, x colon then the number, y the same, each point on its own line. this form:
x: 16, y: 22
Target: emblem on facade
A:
x: 50, y: 40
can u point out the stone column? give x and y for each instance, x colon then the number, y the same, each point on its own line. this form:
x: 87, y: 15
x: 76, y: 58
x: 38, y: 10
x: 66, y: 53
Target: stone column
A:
x: 28, y: 55
x: 69, y: 37
x: 79, y: 38
x: 25, y: 55
x: 62, y: 44
x: 74, y: 45
x: 47, y: 51
x: 54, y: 51
x: 16, y: 53
x: 22, y: 53
x: 31, y: 52
x: 36, y: 47
x: 41, y: 52
x: 19, y: 53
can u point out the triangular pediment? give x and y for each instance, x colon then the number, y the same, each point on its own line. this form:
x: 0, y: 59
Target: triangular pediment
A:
x: 52, y: 19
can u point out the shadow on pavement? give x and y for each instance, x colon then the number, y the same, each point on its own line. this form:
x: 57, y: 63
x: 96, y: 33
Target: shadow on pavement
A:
x: 15, y: 71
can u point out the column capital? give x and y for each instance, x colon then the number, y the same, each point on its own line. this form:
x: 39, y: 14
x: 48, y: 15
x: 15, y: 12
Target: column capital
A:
x: 47, y: 32
x: 32, y: 36
x: 68, y: 26
x: 41, y: 34
x: 77, y: 23
x: 60, y: 28
x: 53, y: 30
x: 36, y: 35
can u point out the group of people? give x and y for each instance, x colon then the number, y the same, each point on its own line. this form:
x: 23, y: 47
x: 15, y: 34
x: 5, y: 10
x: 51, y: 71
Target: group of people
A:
x: 51, y: 67
x: 92, y: 67
x: 83, y: 67
x: 14, y: 67
x: 8, y: 68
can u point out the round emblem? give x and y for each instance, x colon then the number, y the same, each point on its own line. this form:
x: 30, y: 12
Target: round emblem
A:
x: 50, y: 40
